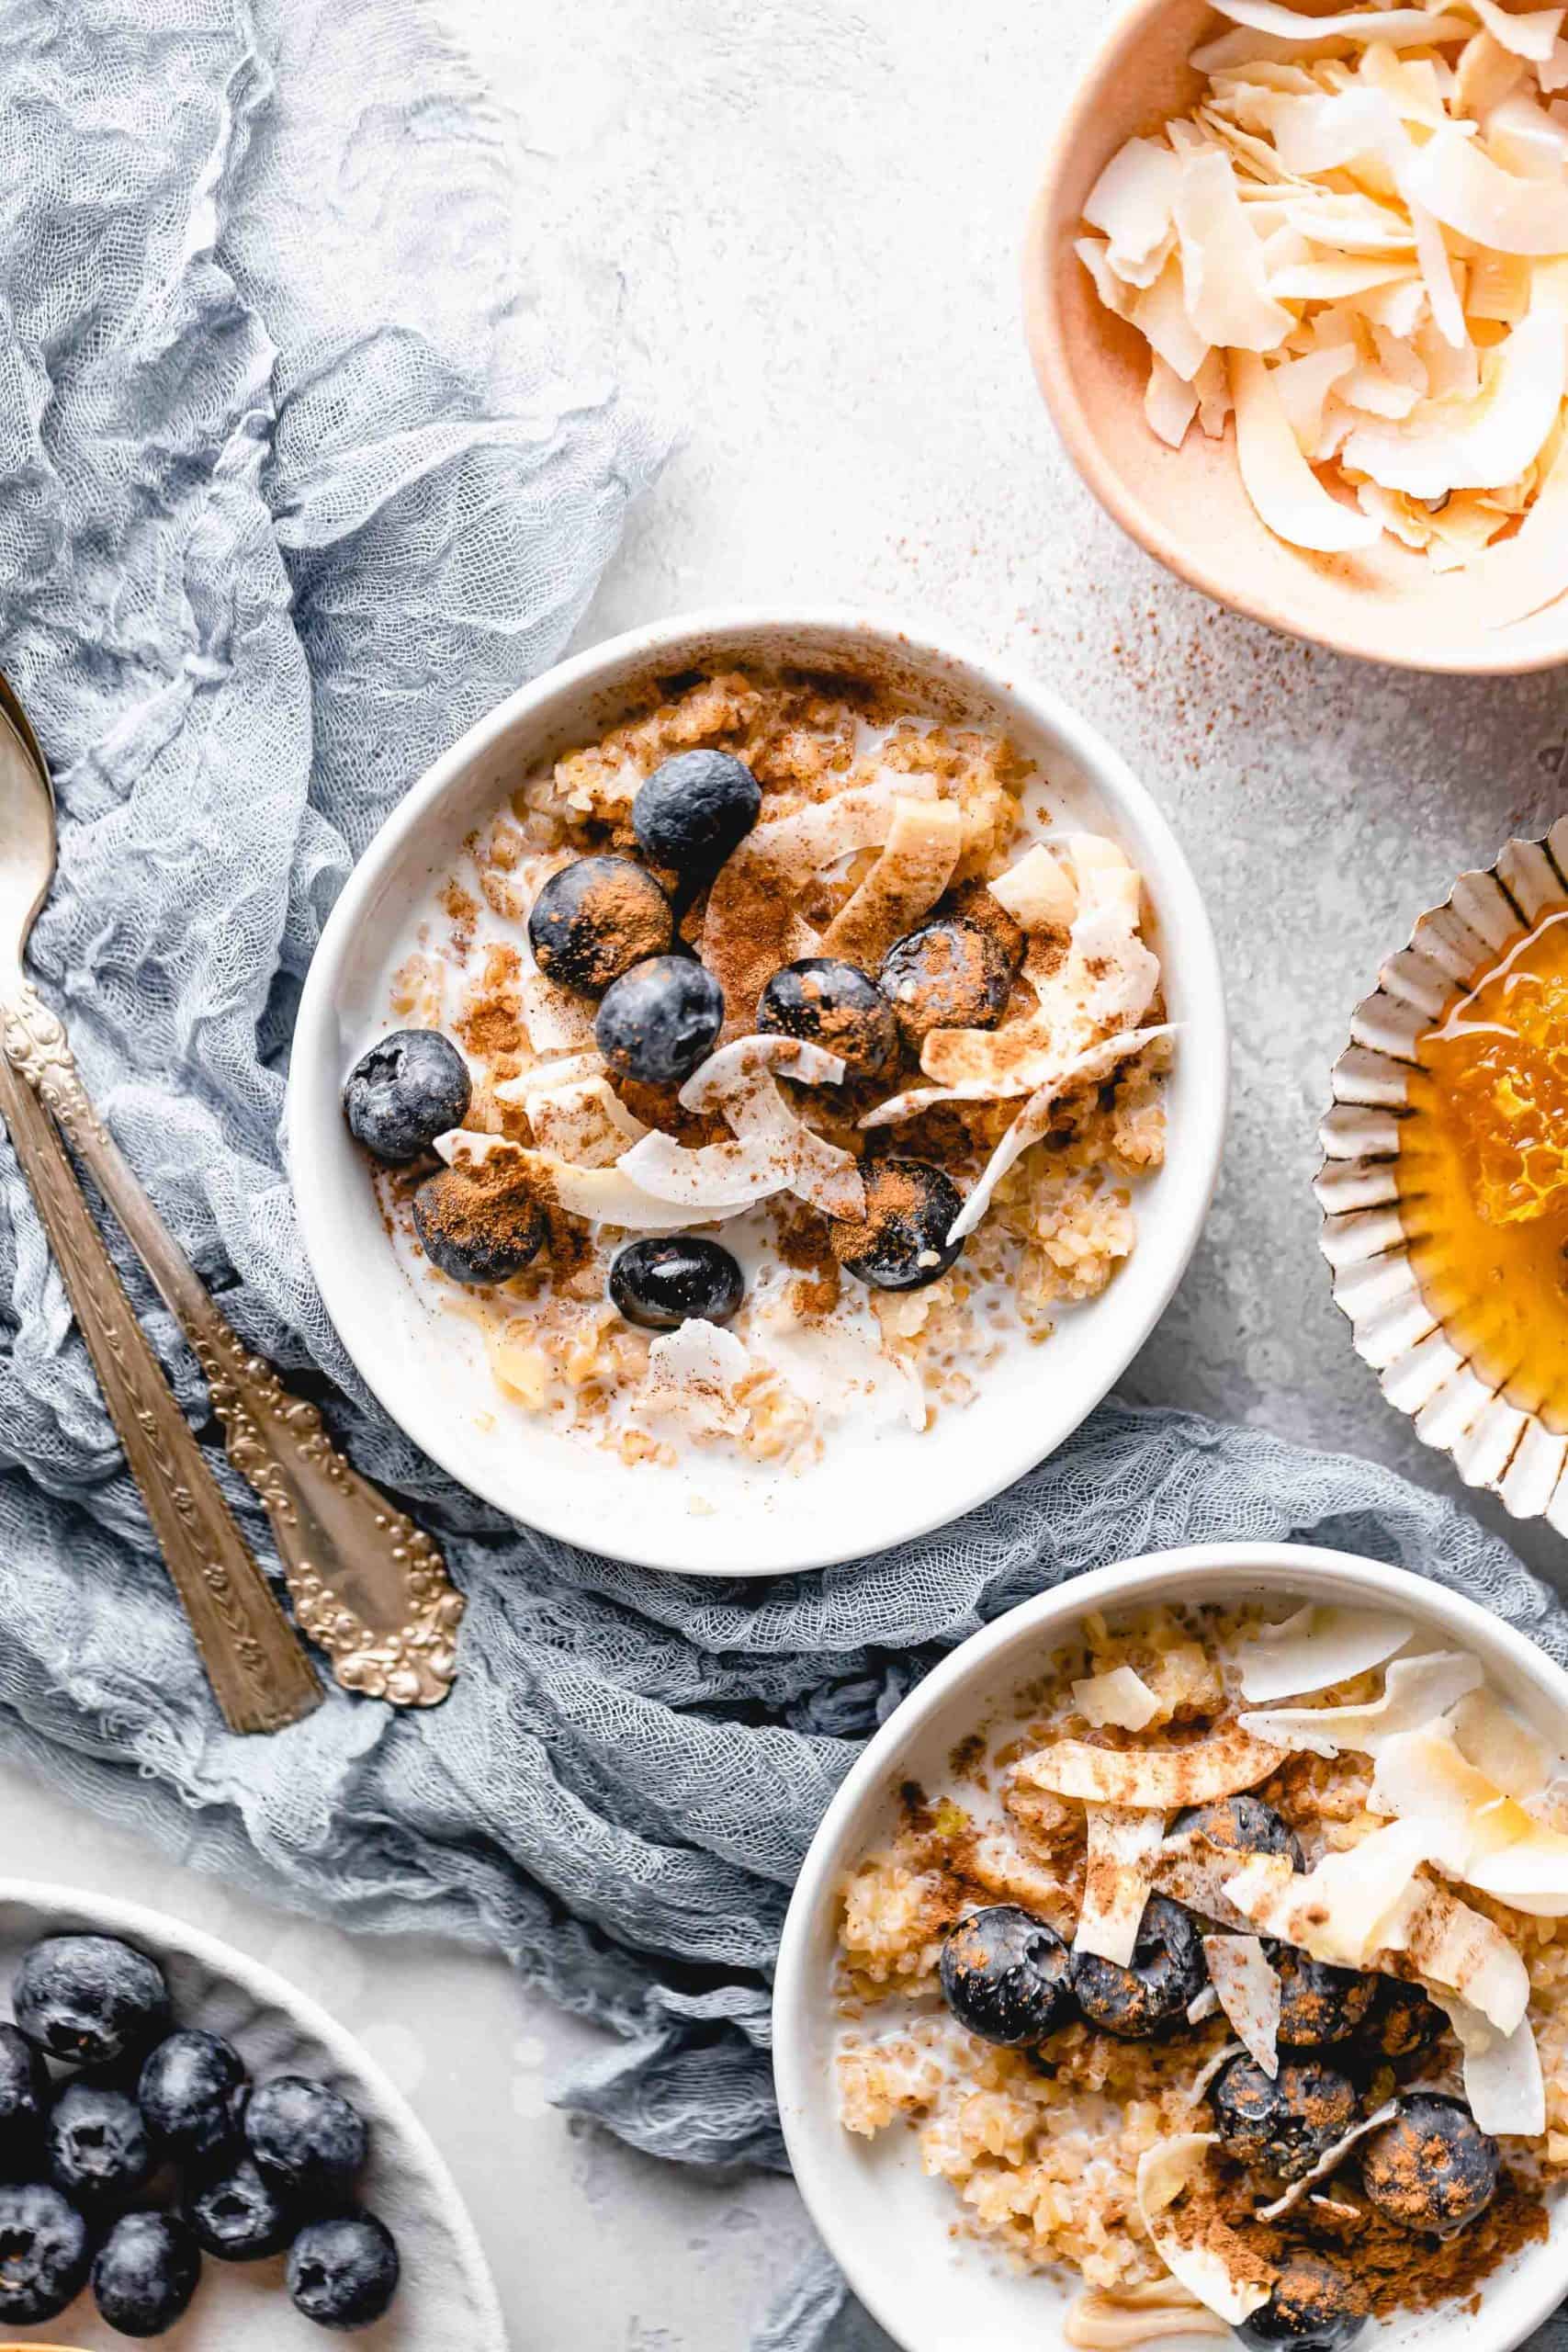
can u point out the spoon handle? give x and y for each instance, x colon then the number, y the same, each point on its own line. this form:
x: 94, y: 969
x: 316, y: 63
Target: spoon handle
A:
x: 368, y: 1585
x: 259, y: 1676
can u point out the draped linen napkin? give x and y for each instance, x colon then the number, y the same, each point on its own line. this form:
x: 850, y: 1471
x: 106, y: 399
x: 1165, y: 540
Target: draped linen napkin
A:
x: 297, y: 479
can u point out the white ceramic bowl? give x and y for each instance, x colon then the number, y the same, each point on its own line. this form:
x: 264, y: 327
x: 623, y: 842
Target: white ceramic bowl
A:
x: 428, y: 1368
x: 445, y: 2297
x: 886, y: 2224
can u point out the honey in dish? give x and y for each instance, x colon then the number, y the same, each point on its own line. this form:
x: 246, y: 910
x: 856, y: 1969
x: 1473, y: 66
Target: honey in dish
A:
x: 1483, y: 1171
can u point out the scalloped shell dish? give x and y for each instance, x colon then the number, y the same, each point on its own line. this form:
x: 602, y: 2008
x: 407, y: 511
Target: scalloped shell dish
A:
x: 1494, y: 1444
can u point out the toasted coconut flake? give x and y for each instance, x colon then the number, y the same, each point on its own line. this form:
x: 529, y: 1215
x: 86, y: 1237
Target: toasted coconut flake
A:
x: 1134, y: 2315
x: 1321, y: 1645
x: 1499, y: 1743
x: 1121, y: 1848
x: 1530, y: 34
x: 1249, y: 1990
x: 584, y: 1120
x: 1096, y: 1062
x: 1400, y: 28
x: 1149, y: 1778
x: 1287, y: 494
x: 914, y: 869
x: 1344, y: 1909
x: 1227, y: 297
x: 1120, y: 1697
x: 1446, y: 447
x: 693, y: 1373
x: 609, y: 1197
x: 1218, y: 2061
x: 740, y: 1079
x: 1415, y: 1690
x: 1169, y: 404
x: 1037, y: 891
x: 1330, y: 2161
x: 1204, y: 2005
x: 1503, y: 2081
x: 742, y: 1168
x: 1219, y: 2271
x: 1467, y: 191
x: 1132, y: 202
x: 1448, y: 1944
x: 556, y: 1021
x: 1196, y: 1873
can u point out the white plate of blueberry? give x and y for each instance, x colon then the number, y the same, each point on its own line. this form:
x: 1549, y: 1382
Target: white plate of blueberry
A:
x: 193, y: 2153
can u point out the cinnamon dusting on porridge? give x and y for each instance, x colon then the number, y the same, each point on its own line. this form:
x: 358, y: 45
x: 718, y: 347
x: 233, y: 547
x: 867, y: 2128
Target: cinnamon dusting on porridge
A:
x: 1076, y: 1990
x: 797, y: 1064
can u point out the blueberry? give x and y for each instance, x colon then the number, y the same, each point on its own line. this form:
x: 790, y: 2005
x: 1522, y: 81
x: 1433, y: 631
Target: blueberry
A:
x: 343, y: 2273
x: 594, y: 919
x: 1404, y: 2023
x: 1281, y: 2127
x: 97, y: 2144
x: 192, y: 2094
x: 404, y: 1092
x: 660, y: 1020
x: 145, y: 2273
x: 305, y: 2136
x: 23, y: 2099
x: 661, y: 1285
x: 1241, y: 1826
x: 87, y: 2001
x: 44, y: 2252
x: 1007, y: 1977
x: 241, y: 2216
x: 1315, y: 2307
x: 1318, y: 2003
x: 834, y: 1005
x: 901, y: 1242
x: 695, y: 809
x: 1431, y: 2167
x: 1168, y: 1973
x: 475, y: 1228
x: 952, y: 974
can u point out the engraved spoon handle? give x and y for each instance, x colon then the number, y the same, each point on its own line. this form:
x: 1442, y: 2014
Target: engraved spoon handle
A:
x: 259, y: 1676
x: 368, y: 1585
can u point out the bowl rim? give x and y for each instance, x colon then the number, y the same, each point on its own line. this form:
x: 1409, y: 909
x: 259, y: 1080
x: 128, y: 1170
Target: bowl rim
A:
x: 1185, y: 923
x: 1049, y: 353
x: 1198, y: 1571
x: 140, y: 1924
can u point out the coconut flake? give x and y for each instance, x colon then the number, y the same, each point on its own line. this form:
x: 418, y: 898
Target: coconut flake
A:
x: 740, y: 1079
x: 692, y: 1375
x: 556, y: 1021
x: 1343, y: 1909
x: 737, y: 1172
x: 1330, y: 2161
x: 1248, y: 1991
x: 1219, y: 2060
x: 1151, y: 1778
x: 1400, y: 28
x: 1451, y: 446
x: 1531, y: 34
x: 1120, y: 1697
x: 1204, y: 2005
x: 1132, y: 202
x: 1321, y: 1646
x: 1415, y: 1690
x: 1467, y: 191
x: 1096, y: 1062
x: 1122, y: 1847
x: 1228, y: 302
x: 1037, y: 891
x: 1216, y: 2272
x: 609, y: 1197
x: 922, y: 847
x: 1530, y: 571
x: 1450, y: 1945
x: 1503, y: 2081
x: 584, y: 1121
x: 1287, y: 494
x: 1502, y: 1745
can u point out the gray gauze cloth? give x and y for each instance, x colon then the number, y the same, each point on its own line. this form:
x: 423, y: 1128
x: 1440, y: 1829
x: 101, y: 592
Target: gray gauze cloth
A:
x: 294, y: 485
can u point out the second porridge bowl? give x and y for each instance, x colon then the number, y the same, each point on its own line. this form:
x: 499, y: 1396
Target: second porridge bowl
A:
x: 816, y: 1090
x: 1061, y: 2053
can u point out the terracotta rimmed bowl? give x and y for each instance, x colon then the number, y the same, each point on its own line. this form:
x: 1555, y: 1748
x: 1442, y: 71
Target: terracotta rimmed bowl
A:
x: 1187, y: 507
x: 887, y: 2225
x: 875, y: 1487
x: 1424, y: 1373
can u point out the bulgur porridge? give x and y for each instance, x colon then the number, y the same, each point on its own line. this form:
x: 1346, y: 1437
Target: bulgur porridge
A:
x: 788, y: 1065
x: 1225, y: 1975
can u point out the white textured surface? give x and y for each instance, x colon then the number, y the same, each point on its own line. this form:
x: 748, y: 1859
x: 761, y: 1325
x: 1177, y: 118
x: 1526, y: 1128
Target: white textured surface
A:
x: 806, y: 213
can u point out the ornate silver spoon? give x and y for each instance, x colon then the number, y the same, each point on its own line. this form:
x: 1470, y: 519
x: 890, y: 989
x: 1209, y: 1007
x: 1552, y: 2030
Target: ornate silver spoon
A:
x: 367, y: 1584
